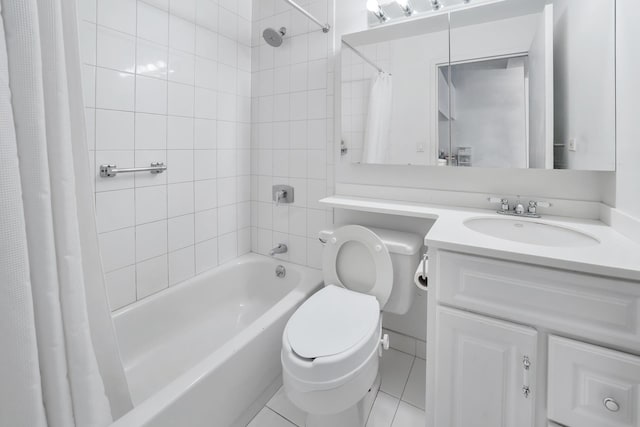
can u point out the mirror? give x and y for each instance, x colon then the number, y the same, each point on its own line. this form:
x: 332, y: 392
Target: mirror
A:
x: 389, y: 94
x: 512, y: 84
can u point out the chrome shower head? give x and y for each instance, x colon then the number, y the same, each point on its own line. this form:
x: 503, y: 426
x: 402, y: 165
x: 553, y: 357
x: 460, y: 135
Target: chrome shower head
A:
x: 273, y: 37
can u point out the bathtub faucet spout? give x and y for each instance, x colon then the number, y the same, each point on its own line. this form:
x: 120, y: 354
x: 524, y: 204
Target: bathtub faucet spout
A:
x: 280, y: 249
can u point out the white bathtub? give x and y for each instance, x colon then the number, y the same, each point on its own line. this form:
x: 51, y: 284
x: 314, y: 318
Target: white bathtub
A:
x: 207, y: 352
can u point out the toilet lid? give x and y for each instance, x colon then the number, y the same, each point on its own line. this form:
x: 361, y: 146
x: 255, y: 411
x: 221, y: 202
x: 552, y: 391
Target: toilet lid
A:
x: 331, y: 322
x: 355, y: 258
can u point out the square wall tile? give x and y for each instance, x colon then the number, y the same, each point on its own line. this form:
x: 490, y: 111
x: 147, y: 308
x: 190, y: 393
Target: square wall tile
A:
x: 150, y: 131
x: 206, y: 195
x: 206, y: 225
x: 151, y: 240
x: 115, y: 210
x: 118, y: 15
x: 180, y: 133
x: 180, y: 165
x: 151, y: 204
x: 206, y: 255
x: 181, y: 265
x: 116, y: 50
x: 181, y: 232
x: 114, y: 90
x: 181, y: 99
x: 114, y: 130
x: 152, y: 59
x: 181, y: 34
x: 151, y: 95
x: 181, y: 199
x: 152, y: 276
x: 117, y: 249
x: 153, y: 24
x: 227, y: 247
x: 121, y: 287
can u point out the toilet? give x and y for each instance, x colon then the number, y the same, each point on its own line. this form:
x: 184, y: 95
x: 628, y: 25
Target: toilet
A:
x: 332, y: 344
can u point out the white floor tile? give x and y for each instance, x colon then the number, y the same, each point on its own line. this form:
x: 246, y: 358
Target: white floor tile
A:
x: 281, y: 404
x: 409, y: 416
x: 383, y: 410
x: 414, y: 391
x: 394, y: 371
x: 267, y: 418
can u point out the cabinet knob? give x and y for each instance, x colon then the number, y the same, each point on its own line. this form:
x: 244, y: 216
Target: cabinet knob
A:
x: 611, y: 404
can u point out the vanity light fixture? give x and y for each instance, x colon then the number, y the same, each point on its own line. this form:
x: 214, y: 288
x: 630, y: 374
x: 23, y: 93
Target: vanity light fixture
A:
x: 406, y: 7
x: 374, y: 7
x: 436, y: 5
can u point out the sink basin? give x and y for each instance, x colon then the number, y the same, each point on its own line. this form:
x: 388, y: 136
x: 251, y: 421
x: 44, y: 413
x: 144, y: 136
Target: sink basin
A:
x: 530, y: 231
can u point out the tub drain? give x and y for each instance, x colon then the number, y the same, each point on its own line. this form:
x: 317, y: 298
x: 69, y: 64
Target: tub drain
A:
x: 281, y: 271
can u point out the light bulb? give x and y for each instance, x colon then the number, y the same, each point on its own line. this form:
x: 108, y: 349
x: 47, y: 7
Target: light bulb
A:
x: 373, y: 6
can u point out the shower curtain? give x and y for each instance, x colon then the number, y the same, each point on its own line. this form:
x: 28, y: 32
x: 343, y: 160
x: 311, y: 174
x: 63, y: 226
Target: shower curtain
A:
x: 59, y: 361
x: 376, y: 133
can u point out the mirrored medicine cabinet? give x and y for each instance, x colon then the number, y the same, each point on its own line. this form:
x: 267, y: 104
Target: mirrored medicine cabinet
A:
x: 508, y: 84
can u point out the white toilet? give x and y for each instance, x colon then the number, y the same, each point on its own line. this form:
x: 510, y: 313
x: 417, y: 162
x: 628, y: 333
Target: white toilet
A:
x: 332, y: 343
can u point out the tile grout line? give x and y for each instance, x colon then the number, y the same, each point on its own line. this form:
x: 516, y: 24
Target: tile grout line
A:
x: 135, y: 211
x: 403, y: 390
x: 193, y: 142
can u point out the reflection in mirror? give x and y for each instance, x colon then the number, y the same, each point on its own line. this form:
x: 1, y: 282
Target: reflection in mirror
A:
x: 533, y: 84
x: 529, y: 84
x: 389, y: 95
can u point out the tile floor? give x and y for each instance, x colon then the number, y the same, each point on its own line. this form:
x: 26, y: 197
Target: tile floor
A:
x: 400, y: 401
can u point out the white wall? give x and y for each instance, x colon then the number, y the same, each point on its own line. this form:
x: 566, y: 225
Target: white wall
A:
x: 584, y: 86
x: 291, y: 129
x: 168, y: 81
x: 628, y: 113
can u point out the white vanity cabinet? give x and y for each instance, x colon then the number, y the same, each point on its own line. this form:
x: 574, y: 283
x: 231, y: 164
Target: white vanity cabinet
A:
x: 486, y: 371
x: 521, y: 345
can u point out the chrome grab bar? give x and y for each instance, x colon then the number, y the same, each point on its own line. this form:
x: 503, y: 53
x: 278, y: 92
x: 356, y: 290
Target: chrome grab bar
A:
x: 109, y: 171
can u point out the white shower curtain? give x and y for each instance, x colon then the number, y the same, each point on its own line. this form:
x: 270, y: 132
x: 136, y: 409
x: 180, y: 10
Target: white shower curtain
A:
x: 59, y: 362
x: 376, y: 133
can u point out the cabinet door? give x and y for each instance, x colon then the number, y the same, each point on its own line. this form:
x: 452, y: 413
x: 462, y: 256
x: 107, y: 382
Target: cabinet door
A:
x: 486, y: 371
x: 591, y: 386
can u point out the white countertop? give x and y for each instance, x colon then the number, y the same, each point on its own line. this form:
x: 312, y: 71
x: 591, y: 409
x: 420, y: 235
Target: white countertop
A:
x: 615, y: 255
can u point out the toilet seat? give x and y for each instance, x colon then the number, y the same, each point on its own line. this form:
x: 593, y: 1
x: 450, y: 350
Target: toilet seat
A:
x: 332, y: 321
x: 330, y: 339
x: 379, y: 258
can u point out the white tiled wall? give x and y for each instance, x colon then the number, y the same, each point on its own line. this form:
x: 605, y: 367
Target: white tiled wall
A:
x: 292, y: 122
x: 168, y: 81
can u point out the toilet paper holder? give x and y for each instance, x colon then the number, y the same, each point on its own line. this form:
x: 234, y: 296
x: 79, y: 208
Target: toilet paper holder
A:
x: 425, y: 258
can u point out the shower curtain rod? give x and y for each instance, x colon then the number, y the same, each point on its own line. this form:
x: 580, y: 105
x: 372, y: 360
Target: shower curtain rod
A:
x: 325, y: 27
x: 367, y: 60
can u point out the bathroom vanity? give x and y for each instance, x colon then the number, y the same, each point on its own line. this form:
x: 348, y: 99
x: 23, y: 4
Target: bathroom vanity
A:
x: 513, y: 342
x: 523, y: 329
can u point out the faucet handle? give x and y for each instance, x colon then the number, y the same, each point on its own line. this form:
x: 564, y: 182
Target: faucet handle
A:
x: 533, y: 206
x: 504, y: 203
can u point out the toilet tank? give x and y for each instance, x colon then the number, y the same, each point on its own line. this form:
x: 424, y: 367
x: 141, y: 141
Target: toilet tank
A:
x: 405, y: 250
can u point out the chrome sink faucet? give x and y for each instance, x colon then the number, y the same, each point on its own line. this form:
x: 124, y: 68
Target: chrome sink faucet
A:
x: 518, y: 209
x: 281, y: 248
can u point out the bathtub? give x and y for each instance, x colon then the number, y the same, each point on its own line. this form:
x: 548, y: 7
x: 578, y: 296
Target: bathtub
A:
x: 207, y: 352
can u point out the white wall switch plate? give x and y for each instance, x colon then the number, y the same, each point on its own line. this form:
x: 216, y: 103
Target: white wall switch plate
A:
x: 573, y: 144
